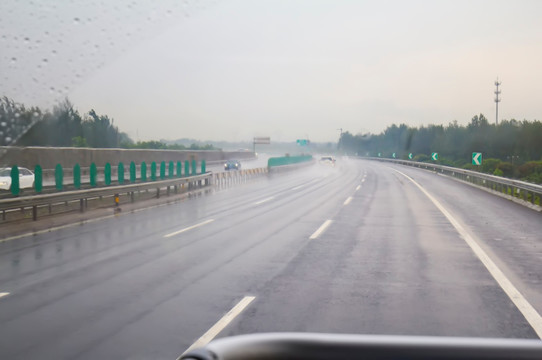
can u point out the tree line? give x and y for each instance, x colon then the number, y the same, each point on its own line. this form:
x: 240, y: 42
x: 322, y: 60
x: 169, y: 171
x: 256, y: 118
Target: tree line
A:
x: 64, y: 126
x: 512, y: 148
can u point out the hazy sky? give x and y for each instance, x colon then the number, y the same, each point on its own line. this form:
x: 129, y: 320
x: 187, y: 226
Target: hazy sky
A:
x: 230, y: 70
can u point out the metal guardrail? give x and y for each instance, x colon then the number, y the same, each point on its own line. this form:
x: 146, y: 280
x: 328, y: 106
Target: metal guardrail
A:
x: 33, y: 201
x: 519, y: 189
x: 83, y: 195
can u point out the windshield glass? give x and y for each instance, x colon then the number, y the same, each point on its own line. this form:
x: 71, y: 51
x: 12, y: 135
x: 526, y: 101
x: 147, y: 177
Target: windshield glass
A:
x: 363, y: 167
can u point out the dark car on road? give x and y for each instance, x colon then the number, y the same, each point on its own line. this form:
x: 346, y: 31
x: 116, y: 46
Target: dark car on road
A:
x: 232, y: 165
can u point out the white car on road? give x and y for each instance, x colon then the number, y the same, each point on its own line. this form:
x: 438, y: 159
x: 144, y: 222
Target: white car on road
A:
x: 26, y: 178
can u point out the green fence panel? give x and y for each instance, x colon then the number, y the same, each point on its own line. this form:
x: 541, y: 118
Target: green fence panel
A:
x: 162, y: 170
x: 77, y: 176
x: 120, y: 173
x: 179, y: 168
x: 171, y: 169
x: 132, y: 172
x: 288, y: 160
x: 38, y: 178
x: 143, y: 171
x: 186, y: 168
x: 107, y: 174
x: 153, y: 171
x: 59, y: 177
x: 194, y: 167
x: 15, y: 186
x: 203, y: 167
x: 93, y: 175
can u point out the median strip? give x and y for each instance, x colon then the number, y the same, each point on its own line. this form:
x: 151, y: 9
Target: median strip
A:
x: 189, y: 228
x: 221, y: 324
x: 321, y: 229
x: 528, y: 311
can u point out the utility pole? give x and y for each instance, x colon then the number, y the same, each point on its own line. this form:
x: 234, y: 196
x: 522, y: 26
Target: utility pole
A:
x: 497, y: 100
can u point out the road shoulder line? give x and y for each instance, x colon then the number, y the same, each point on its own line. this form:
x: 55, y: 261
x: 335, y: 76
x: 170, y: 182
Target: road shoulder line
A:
x: 528, y: 311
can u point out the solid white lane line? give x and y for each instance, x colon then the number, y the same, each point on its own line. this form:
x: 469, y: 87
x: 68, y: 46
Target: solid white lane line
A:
x: 348, y: 200
x: 222, y: 323
x: 189, y: 228
x: 528, y: 311
x: 2, y: 294
x: 358, y: 187
x: 264, y: 200
x: 321, y: 229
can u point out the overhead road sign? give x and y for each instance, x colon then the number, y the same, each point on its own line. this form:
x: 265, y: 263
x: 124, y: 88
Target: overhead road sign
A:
x: 303, y: 142
x: 477, y: 158
x: 262, y: 140
x: 434, y: 156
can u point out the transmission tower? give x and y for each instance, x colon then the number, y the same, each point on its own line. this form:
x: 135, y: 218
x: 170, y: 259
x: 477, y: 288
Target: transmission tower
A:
x: 497, y: 100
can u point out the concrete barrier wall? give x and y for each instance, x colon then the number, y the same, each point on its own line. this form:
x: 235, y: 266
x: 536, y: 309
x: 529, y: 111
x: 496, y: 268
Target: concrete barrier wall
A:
x: 48, y: 157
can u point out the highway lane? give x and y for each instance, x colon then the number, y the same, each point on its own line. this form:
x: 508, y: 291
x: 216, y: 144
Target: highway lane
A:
x: 148, y: 284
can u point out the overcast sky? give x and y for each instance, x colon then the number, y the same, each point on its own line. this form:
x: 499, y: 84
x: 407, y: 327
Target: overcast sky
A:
x: 231, y: 70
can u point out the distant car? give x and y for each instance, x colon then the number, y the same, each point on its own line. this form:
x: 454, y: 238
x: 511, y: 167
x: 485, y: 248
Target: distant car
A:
x: 327, y: 160
x: 26, y: 178
x: 232, y: 165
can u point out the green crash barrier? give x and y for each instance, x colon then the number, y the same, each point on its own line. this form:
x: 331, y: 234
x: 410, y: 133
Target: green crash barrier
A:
x: 203, y: 167
x: 132, y: 172
x: 15, y: 186
x: 162, y: 170
x: 186, y: 168
x: 38, y: 178
x: 107, y: 174
x: 93, y: 175
x: 288, y: 160
x: 143, y: 171
x: 153, y: 171
x: 59, y: 177
x: 194, y: 167
x: 179, y: 168
x: 77, y: 176
x: 120, y: 173
x: 171, y: 169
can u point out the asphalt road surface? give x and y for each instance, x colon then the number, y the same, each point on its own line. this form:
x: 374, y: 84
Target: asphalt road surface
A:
x: 363, y: 247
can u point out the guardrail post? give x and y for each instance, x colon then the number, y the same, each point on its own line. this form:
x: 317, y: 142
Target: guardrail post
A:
x: 15, y: 188
x: 38, y: 179
x: 77, y: 176
x: 132, y: 172
x: 153, y: 171
x: 81, y: 205
x: 59, y: 177
x: 186, y: 168
x: 162, y: 170
x: 120, y: 173
x: 107, y: 174
x: 171, y: 170
x: 143, y: 171
x: 179, y: 168
x: 34, y: 212
x: 93, y: 175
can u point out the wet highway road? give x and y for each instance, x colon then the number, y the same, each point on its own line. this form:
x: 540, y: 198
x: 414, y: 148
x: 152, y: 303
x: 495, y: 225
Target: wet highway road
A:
x: 360, y: 248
